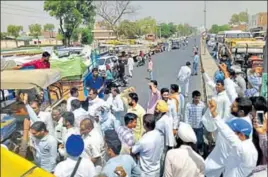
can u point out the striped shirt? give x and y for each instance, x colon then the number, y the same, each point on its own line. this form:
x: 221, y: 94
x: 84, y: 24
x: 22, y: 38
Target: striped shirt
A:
x: 194, y: 113
x: 125, y: 135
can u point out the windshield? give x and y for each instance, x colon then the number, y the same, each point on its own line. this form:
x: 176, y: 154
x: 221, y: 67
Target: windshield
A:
x: 238, y: 35
x: 101, y: 61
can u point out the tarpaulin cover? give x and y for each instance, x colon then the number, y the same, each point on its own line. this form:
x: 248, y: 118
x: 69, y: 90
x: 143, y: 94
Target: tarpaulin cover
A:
x: 69, y: 67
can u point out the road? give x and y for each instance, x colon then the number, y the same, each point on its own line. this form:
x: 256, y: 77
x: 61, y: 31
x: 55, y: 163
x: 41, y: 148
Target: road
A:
x: 166, y: 66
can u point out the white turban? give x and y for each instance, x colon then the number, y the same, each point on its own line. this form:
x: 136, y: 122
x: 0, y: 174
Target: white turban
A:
x: 186, y: 133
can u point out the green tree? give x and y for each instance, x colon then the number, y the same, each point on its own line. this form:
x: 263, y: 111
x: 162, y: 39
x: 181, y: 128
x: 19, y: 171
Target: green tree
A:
x: 128, y: 29
x: 243, y: 16
x: 146, y: 25
x: 71, y: 14
x: 14, y: 30
x: 35, y: 31
x: 86, y: 36
x: 237, y: 19
x: 4, y: 35
x: 49, y: 28
x: 216, y: 28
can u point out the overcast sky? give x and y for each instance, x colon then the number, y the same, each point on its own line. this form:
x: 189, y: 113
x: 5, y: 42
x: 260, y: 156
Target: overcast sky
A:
x: 218, y: 12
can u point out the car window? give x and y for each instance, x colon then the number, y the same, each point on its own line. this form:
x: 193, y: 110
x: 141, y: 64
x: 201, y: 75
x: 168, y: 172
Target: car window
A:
x: 108, y: 61
x: 101, y: 61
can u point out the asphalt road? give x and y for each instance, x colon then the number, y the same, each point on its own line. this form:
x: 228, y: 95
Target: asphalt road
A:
x: 166, y: 66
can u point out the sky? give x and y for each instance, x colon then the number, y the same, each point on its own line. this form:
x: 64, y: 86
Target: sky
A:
x: 192, y: 12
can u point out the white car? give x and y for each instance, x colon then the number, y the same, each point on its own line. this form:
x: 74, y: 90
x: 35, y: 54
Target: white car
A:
x: 106, y: 60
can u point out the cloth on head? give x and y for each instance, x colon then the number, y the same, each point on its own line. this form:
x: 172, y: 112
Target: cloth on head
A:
x: 186, y: 133
x: 218, y: 76
x: 112, y: 140
x: 74, y: 145
x: 161, y: 106
x: 240, y: 126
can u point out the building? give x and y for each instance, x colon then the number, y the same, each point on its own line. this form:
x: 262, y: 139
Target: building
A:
x: 101, y: 33
x: 242, y: 27
x: 258, y: 20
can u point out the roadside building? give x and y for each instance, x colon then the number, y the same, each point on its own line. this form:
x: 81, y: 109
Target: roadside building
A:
x: 258, y: 20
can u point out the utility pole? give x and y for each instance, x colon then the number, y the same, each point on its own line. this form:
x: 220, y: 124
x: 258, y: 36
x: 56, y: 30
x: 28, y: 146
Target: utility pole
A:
x: 205, y: 23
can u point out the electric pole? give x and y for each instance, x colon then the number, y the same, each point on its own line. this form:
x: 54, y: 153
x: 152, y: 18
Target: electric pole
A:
x: 205, y: 23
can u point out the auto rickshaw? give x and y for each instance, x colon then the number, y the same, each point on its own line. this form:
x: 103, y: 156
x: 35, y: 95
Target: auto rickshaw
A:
x: 36, y: 83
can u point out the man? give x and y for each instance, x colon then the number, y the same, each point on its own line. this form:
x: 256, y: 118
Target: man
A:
x: 149, y: 148
x: 130, y: 64
x: 96, y: 82
x: 195, y: 63
x: 154, y: 96
x: 238, y: 79
x: 125, y: 161
x: 68, y: 123
x: 135, y: 108
x: 150, y: 68
x: 121, y: 71
x: 254, y: 82
x: 74, y: 95
x: 125, y: 133
x: 58, y: 123
x: 172, y: 110
x: 115, y: 102
x: 184, y: 161
x: 74, y: 148
x: 193, y: 116
x: 78, y: 111
x: 243, y: 154
x: 164, y: 124
x: 45, y: 146
x: 42, y: 63
x: 94, y: 102
x: 179, y: 100
x: 184, y: 78
x: 94, y: 143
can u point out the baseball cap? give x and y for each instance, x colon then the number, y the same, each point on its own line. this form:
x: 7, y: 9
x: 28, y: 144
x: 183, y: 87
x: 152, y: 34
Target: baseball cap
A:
x: 240, y: 126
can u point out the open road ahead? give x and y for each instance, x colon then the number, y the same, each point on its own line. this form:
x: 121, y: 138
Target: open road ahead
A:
x: 166, y: 66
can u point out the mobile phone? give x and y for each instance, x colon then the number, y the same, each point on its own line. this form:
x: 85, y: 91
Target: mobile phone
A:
x: 259, y: 116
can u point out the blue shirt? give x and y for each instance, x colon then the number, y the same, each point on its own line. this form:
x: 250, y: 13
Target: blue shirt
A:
x: 196, y: 59
x: 95, y: 83
x: 126, y: 161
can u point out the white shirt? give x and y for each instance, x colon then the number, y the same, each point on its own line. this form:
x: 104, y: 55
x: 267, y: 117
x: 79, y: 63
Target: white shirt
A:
x: 94, y: 105
x: 150, y: 150
x: 184, y: 74
x: 217, y: 159
x: 79, y: 115
x: 165, y: 126
x: 59, y: 130
x: 172, y: 112
x: 184, y: 162
x: 116, y: 103
x: 68, y: 104
x: 130, y: 63
x: 65, y: 168
x: 242, y: 156
x: 67, y: 133
x: 94, y: 146
x: 47, y: 119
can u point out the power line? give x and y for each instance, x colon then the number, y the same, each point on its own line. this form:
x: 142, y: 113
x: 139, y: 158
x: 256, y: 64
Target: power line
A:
x: 25, y: 15
x: 25, y: 10
x: 15, y: 5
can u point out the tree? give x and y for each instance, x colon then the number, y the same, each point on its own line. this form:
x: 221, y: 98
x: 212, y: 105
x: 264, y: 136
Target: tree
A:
x: 35, y: 30
x: 146, y: 25
x: 239, y: 18
x: 86, y: 36
x: 49, y: 28
x: 216, y: 28
x: 71, y: 14
x: 113, y: 11
x: 4, y: 35
x: 14, y: 31
x: 128, y: 29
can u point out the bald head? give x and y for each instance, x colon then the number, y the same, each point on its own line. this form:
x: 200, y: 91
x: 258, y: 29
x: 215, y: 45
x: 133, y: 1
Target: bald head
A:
x: 86, y: 126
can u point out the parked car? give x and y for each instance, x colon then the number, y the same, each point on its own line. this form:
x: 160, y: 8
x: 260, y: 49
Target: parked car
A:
x: 175, y: 45
x: 106, y: 60
x: 212, y: 42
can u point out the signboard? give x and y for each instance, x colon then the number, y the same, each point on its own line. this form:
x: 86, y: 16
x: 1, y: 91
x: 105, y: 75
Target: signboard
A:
x: 264, y: 85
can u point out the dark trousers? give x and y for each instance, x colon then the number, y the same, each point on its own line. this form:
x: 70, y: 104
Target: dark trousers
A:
x: 121, y: 77
x: 200, y: 141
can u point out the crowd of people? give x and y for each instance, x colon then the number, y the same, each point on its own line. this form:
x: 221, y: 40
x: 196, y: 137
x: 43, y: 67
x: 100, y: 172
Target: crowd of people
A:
x: 118, y: 137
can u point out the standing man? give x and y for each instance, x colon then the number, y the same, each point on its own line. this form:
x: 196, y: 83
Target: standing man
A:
x: 137, y: 109
x: 195, y: 63
x: 96, y: 82
x: 74, y: 95
x: 58, y: 123
x: 179, y: 100
x: 150, y: 68
x: 184, y: 78
x: 154, y: 96
x: 130, y: 65
x: 149, y: 148
x: 193, y: 116
x: 45, y: 146
x: 115, y: 103
x: 42, y: 63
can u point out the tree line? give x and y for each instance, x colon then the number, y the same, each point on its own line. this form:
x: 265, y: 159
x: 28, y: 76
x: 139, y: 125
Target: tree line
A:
x: 236, y: 19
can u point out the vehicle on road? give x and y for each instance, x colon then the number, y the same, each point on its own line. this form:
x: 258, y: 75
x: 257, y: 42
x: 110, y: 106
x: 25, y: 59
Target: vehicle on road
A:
x: 175, y: 45
x: 106, y: 60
